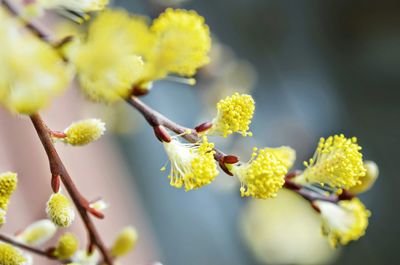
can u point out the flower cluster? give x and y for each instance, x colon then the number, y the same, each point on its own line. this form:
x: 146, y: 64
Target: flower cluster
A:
x: 264, y: 175
x: 122, y: 52
x: 337, y: 162
x: 234, y: 115
x: 192, y: 165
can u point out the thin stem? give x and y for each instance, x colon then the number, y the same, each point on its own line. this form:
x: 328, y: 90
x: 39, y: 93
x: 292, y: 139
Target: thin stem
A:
x: 154, y: 118
x: 57, y: 168
x: 34, y: 250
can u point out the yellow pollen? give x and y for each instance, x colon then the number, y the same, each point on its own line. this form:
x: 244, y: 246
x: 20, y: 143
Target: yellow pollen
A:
x: 336, y: 162
x: 8, y: 184
x: 263, y: 176
x: 234, y: 116
x: 84, y: 132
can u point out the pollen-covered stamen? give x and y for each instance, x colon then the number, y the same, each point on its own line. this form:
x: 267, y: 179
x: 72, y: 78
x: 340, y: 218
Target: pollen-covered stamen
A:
x: 343, y: 222
x: 336, y: 162
x: 234, y: 116
x: 192, y: 165
x: 263, y: 176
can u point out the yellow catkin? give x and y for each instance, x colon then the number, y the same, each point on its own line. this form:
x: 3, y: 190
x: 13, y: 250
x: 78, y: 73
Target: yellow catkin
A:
x: 38, y: 233
x: 125, y: 242
x: 84, y: 132
x: 192, y: 165
x: 10, y: 255
x: 8, y: 184
x: 343, y: 222
x: 106, y: 62
x: 234, y: 116
x: 182, y: 43
x: 66, y: 246
x: 60, y: 211
x: 24, y: 88
x: 263, y: 176
x: 337, y: 162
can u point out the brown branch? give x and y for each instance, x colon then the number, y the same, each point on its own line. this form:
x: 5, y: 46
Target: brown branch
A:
x: 154, y: 119
x: 57, y: 168
x: 34, y: 250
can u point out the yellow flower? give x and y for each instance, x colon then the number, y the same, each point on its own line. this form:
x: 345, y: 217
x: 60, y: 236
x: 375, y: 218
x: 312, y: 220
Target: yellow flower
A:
x: 125, y: 242
x: 8, y: 184
x: 66, y: 246
x: 31, y: 72
x: 192, y: 165
x: 336, y: 162
x: 37, y: 233
x: 60, y: 211
x: 285, y: 153
x: 367, y: 181
x: 106, y: 64
x: 343, y: 222
x: 234, y: 115
x: 84, y: 132
x: 10, y: 255
x: 182, y: 43
x: 263, y: 176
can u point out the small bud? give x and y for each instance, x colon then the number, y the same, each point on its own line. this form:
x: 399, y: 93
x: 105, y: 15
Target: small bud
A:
x: 125, y: 242
x: 10, y: 255
x: 59, y: 210
x: 203, y: 127
x: 37, y: 233
x: 99, y: 205
x: 84, y: 132
x: 66, y: 247
x: 366, y: 182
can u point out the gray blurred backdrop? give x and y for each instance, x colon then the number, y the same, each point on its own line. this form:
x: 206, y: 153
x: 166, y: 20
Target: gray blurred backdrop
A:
x: 323, y: 67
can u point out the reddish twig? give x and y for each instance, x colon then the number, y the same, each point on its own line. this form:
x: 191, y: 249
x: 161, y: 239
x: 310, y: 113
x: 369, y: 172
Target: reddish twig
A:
x: 57, y: 168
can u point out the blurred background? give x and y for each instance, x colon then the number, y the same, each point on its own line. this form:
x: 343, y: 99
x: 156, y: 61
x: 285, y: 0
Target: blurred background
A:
x: 315, y: 68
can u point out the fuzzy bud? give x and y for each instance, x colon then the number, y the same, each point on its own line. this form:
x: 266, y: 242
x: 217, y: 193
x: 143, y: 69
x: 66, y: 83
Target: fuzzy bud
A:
x: 37, y: 233
x: 60, y: 211
x: 84, y: 132
x: 125, y: 242
x: 66, y: 247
